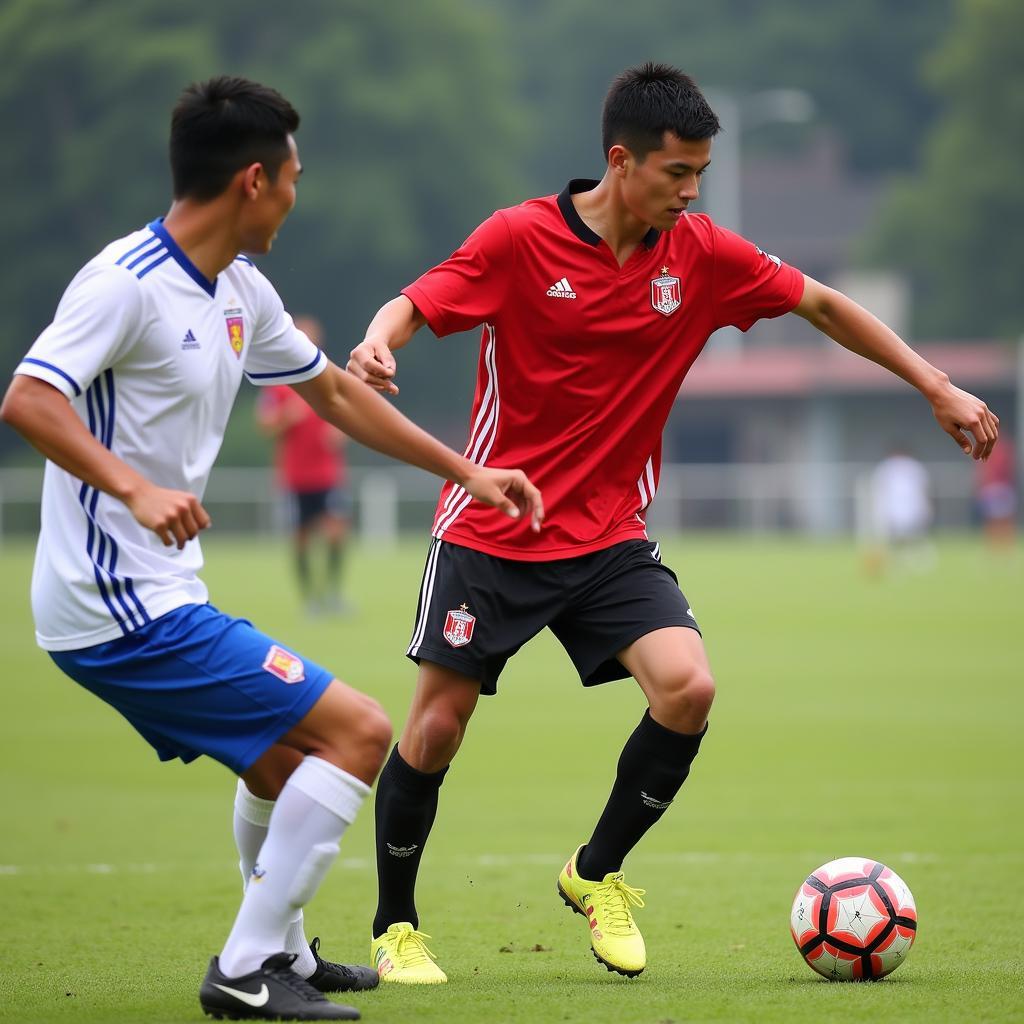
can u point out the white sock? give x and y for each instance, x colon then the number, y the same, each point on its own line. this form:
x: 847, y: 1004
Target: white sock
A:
x: 252, y: 816
x: 309, y: 818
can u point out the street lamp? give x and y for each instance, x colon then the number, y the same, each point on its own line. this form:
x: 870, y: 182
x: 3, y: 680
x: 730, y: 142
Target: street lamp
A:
x: 723, y: 199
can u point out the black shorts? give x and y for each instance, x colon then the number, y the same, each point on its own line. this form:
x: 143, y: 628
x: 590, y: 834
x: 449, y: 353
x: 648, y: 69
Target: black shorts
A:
x: 475, y: 610
x: 311, y: 505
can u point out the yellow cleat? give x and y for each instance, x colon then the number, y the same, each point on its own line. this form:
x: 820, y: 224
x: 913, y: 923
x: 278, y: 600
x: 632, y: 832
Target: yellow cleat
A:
x: 614, y: 937
x: 401, y: 956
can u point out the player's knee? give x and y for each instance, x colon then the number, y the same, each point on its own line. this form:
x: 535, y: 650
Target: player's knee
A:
x: 371, y: 731
x: 353, y: 730
x: 687, y: 694
x: 699, y: 692
x: 266, y: 778
x: 439, y: 732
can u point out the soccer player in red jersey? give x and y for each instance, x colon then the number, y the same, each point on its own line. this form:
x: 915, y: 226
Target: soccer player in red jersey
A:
x: 594, y: 303
x: 312, y: 470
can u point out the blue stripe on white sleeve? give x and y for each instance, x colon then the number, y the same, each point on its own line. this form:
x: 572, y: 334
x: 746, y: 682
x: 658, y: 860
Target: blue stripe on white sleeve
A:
x: 142, y: 257
x: 140, y: 274
x: 141, y: 245
x: 288, y: 373
x: 54, y: 369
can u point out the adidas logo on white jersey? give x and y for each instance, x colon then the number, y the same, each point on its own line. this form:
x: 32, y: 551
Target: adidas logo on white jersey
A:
x: 561, y: 290
x: 189, y: 341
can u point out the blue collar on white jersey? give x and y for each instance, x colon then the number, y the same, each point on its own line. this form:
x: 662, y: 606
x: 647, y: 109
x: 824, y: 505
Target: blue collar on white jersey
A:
x: 158, y: 229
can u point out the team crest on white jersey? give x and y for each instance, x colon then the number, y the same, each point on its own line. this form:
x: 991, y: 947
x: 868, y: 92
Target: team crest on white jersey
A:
x: 458, y: 626
x: 666, y: 293
x: 236, y: 330
x: 285, y: 665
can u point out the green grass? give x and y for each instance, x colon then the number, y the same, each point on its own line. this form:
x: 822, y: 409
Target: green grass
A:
x: 854, y: 717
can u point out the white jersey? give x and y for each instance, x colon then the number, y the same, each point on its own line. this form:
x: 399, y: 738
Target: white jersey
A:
x: 151, y: 355
x: 900, y: 492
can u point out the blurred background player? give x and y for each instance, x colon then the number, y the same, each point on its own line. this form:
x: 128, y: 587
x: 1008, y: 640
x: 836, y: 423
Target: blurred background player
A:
x: 901, y: 514
x: 311, y: 468
x: 996, y: 495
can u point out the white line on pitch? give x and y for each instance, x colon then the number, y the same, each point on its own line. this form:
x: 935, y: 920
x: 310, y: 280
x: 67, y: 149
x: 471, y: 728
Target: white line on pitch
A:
x: 502, y: 860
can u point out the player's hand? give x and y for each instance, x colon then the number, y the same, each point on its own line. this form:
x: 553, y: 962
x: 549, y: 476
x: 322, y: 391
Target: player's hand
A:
x: 374, y: 364
x: 508, y: 490
x: 174, y: 516
x: 959, y: 414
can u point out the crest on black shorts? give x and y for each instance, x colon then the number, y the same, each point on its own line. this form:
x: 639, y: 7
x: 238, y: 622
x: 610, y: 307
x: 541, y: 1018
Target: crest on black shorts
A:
x: 666, y: 293
x: 458, y: 626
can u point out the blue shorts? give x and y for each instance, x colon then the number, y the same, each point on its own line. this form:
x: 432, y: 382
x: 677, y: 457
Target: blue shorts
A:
x: 196, y: 681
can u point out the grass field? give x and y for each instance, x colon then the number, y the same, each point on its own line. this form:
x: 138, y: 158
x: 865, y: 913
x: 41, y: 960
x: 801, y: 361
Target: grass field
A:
x: 879, y: 718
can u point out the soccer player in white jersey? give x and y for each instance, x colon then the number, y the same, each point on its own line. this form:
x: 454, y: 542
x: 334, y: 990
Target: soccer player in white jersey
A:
x: 127, y: 394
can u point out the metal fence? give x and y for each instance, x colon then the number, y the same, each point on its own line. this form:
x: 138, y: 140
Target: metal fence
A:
x: 771, y: 498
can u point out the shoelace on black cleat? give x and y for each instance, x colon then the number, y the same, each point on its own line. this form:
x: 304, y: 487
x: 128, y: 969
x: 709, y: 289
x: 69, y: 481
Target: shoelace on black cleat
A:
x: 329, y: 965
x: 282, y: 972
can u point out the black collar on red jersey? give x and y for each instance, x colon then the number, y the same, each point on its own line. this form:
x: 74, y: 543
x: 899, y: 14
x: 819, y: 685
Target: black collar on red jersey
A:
x: 575, y: 221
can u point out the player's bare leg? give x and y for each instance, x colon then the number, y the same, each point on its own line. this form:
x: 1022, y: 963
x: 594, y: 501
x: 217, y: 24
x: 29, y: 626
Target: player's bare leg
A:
x: 292, y: 808
x: 335, y: 530
x: 672, y: 669
x: 442, y: 706
x: 346, y: 728
x: 405, y: 808
x: 300, y: 545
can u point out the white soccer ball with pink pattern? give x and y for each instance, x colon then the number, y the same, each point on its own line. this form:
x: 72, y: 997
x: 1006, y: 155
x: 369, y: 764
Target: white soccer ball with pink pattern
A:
x: 854, y: 919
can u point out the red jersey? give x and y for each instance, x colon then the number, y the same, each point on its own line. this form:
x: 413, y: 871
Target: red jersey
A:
x: 308, y: 457
x: 581, y: 360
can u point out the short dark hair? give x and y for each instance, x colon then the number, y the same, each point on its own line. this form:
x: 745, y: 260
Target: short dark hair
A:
x: 646, y: 101
x: 222, y: 125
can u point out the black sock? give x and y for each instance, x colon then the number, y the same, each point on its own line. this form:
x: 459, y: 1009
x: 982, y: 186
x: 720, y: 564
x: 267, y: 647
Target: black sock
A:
x: 334, y: 553
x: 404, y: 812
x: 302, y: 571
x: 653, y: 765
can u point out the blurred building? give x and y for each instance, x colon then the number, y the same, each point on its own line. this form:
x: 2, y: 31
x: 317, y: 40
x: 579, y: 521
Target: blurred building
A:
x: 807, y: 208
x: 797, y: 426
x: 778, y: 428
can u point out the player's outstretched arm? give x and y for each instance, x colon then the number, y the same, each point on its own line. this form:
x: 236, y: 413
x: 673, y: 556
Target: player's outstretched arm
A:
x: 44, y: 417
x: 366, y: 417
x: 853, y: 327
x: 393, y: 326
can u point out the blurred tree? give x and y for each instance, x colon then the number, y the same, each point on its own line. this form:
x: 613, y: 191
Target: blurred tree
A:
x: 412, y: 132
x: 84, y: 158
x: 860, y: 61
x: 951, y: 228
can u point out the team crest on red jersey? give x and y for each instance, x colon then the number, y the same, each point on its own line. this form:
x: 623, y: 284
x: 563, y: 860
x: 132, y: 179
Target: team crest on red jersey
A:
x: 236, y: 330
x: 458, y: 626
x: 666, y: 293
x: 285, y: 665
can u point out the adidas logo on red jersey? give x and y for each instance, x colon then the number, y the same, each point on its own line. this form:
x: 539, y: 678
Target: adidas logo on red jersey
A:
x: 561, y: 290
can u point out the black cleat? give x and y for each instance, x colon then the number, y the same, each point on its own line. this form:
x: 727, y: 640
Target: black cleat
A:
x: 331, y: 977
x: 274, y: 992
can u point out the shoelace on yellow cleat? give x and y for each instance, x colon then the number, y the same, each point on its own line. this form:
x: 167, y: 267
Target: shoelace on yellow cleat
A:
x: 617, y: 898
x: 411, y: 948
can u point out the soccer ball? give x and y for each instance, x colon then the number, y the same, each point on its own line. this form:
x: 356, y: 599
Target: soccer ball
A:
x: 853, y: 919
